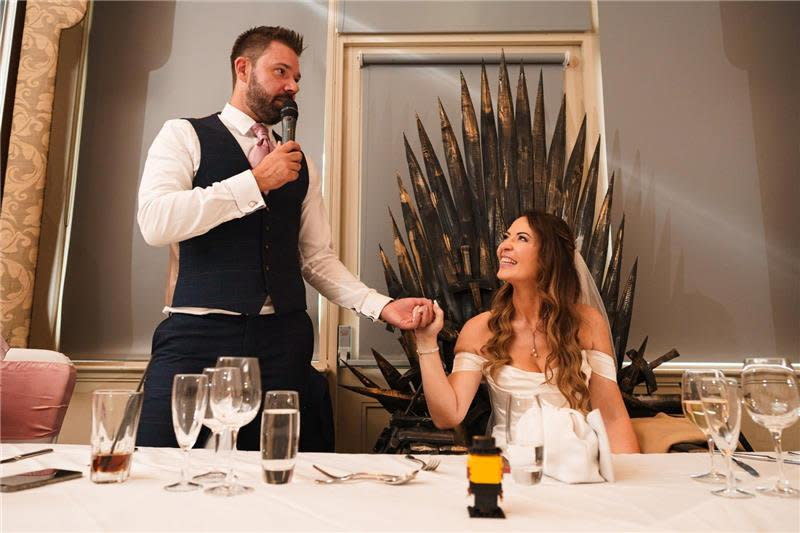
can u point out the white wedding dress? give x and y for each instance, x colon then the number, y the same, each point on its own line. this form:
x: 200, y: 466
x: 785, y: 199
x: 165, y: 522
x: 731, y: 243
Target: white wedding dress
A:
x: 515, y: 381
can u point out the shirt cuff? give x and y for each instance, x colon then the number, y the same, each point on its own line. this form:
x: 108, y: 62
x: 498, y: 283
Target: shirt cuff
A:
x: 245, y: 192
x: 373, y: 305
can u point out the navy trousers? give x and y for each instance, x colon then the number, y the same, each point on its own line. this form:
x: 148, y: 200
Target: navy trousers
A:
x: 284, y: 346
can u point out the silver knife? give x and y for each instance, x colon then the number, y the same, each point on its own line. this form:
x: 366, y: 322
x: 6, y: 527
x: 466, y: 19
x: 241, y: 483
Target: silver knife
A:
x: 746, y: 467
x: 26, y: 456
x: 767, y: 458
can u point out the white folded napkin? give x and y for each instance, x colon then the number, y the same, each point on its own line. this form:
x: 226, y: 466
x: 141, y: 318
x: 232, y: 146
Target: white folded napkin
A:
x: 576, y: 448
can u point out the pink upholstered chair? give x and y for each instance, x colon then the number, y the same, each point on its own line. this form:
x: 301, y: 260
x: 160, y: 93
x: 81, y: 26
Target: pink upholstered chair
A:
x: 35, y: 389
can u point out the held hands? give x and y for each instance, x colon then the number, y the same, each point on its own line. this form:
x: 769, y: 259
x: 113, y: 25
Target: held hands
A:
x: 279, y: 167
x: 430, y: 326
x: 405, y: 314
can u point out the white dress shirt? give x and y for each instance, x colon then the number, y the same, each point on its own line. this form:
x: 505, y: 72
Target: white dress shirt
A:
x: 172, y: 210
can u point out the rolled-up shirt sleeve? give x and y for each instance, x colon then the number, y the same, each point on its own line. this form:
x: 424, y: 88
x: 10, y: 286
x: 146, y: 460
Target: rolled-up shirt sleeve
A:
x: 170, y: 208
x: 320, y: 265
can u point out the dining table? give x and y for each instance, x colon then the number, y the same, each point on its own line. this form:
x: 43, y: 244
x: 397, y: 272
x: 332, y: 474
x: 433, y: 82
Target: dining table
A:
x: 651, y: 492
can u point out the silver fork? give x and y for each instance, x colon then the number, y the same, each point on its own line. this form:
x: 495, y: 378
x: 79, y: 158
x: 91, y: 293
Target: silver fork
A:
x: 429, y: 466
x: 389, y: 479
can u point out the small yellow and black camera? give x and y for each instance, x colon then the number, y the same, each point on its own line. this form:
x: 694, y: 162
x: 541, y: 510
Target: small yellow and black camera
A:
x: 485, y: 473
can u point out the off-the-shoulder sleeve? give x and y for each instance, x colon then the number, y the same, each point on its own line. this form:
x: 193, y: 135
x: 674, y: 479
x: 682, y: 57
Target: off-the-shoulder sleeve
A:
x: 602, y: 364
x: 468, y: 362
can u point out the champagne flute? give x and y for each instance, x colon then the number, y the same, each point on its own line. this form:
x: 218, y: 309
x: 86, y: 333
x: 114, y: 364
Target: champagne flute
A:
x: 226, y: 402
x: 189, y: 402
x: 772, y: 400
x: 722, y: 405
x: 217, y: 433
x: 693, y: 410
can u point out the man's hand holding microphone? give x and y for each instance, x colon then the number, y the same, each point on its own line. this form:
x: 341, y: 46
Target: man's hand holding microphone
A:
x: 279, y: 167
x: 282, y: 164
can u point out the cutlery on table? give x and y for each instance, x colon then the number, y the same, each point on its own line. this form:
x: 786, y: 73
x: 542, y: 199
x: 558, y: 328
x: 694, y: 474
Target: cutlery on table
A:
x: 26, y: 456
x: 390, y: 479
x: 429, y: 466
x: 767, y: 458
x: 746, y: 467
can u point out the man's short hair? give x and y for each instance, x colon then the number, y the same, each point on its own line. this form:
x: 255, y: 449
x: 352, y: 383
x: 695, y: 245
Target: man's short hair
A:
x: 251, y: 43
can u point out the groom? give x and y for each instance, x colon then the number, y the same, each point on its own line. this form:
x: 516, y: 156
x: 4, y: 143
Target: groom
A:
x: 248, y: 217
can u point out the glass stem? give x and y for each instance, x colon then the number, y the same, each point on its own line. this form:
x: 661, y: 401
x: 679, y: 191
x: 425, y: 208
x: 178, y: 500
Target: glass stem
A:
x: 711, y: 455
x: 229, y: 476
x: 730, y: 479
x: 216, y: 436
x: 776, y: 436
x: 234, y: 437
x: 185, y: 467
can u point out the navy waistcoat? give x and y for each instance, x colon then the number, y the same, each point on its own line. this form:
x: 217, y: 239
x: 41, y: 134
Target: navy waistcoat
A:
x: 237, y: 264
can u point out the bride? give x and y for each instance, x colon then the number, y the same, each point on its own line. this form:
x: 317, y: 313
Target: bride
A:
x: 537, y: 337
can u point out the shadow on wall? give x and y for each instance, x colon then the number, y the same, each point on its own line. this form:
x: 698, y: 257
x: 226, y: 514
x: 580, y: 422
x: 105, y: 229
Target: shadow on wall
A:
x: 756, y: 37
x: 668, y: 293
x: 108, y: 178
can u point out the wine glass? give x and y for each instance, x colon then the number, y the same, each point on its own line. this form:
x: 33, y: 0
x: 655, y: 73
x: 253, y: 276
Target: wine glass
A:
x: 693, y: 410
x: 251, y: 389
x: 772, y: 400
x: 722, y: 405
x: 217, y: 433
x: 226, y: 402
x: 280, y: 435
x: 524, y: 438
x: 189, y: 402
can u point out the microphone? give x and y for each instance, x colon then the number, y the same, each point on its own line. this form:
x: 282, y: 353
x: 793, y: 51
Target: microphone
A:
x: 288, y: 120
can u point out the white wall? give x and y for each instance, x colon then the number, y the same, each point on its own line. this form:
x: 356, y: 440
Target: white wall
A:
x: 701, y: 115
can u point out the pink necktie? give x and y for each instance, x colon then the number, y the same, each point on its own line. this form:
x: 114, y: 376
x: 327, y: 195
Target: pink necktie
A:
x: 263, y: 145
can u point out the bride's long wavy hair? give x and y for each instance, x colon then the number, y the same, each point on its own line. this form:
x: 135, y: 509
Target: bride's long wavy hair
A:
x: 559, y: 291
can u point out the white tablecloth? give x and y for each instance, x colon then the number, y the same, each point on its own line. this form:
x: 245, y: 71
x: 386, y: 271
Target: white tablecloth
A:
x: 652, y: 492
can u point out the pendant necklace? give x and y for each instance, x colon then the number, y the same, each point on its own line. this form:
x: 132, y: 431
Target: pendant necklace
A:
x: 535, y: 353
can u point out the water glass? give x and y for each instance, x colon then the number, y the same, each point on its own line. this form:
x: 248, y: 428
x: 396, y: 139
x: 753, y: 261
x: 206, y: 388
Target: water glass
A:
x: 189, y: 402
x: 226, y: 402
x: 772, y: 400
x: 769, y: 361
x: 722, y: 404
x: 280, y: 435
x: 693, y: 410
x: 524, y: 438
x: 217, y: 434
x: 115, y: 420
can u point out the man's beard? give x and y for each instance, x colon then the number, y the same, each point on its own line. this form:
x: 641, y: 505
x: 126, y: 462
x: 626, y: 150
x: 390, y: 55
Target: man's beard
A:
x: 266, y: 108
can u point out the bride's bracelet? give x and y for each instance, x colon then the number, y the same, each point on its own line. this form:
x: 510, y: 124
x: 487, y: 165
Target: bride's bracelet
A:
x: 427, y: 352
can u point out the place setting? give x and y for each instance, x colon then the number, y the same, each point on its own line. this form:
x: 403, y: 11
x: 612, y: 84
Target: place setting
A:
x: 768, y: 392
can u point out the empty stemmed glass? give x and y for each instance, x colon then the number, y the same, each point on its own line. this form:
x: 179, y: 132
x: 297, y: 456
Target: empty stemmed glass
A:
x: 251, y: 389
x: 189, y: 401
x: 693, y: 410
x: 722, y: 404
x: 217, y: 433
x: 226, y: 402
x: 771, y: 398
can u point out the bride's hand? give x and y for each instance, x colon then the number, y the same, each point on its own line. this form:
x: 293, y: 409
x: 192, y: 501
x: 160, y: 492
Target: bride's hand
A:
x: 426, y: 337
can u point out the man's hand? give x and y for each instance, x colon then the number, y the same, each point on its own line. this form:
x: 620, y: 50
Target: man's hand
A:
x: 279, y: 167
x: 404, y: 313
